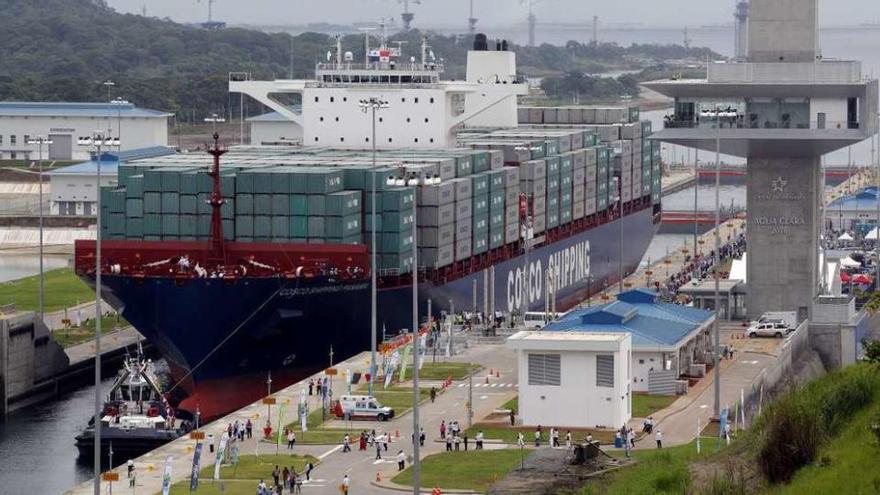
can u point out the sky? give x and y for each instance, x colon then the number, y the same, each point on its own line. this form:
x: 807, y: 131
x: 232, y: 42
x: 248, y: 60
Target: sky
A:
x: 443, y: 13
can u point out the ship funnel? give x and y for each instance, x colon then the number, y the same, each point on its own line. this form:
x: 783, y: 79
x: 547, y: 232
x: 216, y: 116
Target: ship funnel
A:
x: 480, y: 43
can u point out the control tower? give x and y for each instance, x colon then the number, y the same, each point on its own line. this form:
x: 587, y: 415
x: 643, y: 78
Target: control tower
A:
x: 781, y: 109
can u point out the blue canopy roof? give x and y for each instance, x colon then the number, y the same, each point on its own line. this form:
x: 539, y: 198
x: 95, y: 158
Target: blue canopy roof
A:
x: 865, y: 199
x: 651, y: 323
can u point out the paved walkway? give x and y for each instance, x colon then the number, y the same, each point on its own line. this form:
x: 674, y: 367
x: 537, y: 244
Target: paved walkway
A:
x: 362, y: 467
x: 109, y: 342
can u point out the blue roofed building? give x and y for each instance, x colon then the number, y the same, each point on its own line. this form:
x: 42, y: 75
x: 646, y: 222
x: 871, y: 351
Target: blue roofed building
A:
x: 854, y: 211
x: 667, y: 339
x: 72, y: 188
x: 64, y: 122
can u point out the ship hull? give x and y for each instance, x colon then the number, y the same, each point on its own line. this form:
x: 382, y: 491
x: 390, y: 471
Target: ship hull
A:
x: 221, y: 339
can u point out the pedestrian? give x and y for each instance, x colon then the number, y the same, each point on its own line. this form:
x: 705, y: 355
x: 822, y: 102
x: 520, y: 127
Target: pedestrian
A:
x: 131, y: 473
x: 457, y: 440
x: 362, y: 442
x: 433, y: 394
x: 480, y: 440
x: 249, y: 427
x: 318, y: 387
x: 449, y: 444
x: 346, y: 443
x: 378, y: 451
x: 589, y: 438
x: 568, y: 439
x: 291, y: 439
x: 520, y: 440
x: 401, y: 460
x: 421, y: 437
x: 465, y: 438
x: 261, y: 488
x: 311, y: 386
x: 345, y: 484
x: 631, y: 437
x: 309, y: 468
x: 285, y: 476
x: 626, y: 448
x: 538, y: 437
x: 276, y: 475
x: 297, y: 483
x: 555, y: 435
x: 659, y: 437
x: 384, y: 441
x: 442, y: 429
x: 512, y: 417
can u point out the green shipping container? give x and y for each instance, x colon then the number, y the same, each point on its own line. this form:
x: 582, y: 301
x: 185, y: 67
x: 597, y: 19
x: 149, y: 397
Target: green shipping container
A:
x: 134, y: 187
x: 299, y: 226
x: 152, y: 224
x: 317, y: 204
x: 203, y: 205
x: 481, y: 223
x: 395, y: 242
x: 244, y: 204
x: 299, y: 205
x: 189, y: 182
x: 479, y: 184
x: 316, y: 227
x: 188, y: 204
x: 134, y: 228
x: 170, y: 203
x: 244, y: 183
x: 134, y: 208
x: 480, y: 204
x: 189, y: 225
x: 324, y: 181
x: 280, y: 203
x: 398, y: 199
x: 227, y: 210
x: 496, y: 180
x: 170, y: 225
x: 395, y: 221
x: 280, y: 227
x: 481, y: 161
x: 262, y: 204
x: 343, y: 227
x: 152, y: 181
x: 496, y: 239
x: 262, y: 226
x: 343, y: 203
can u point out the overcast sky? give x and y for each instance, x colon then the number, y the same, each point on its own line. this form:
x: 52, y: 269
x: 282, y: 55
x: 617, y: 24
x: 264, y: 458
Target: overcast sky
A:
x: 673, y: 13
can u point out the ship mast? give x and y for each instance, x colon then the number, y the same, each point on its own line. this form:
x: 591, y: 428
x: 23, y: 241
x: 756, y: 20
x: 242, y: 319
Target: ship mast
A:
x: 218, y: 253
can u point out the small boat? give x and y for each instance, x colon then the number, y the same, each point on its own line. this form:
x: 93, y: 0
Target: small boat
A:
x: 136, y: 417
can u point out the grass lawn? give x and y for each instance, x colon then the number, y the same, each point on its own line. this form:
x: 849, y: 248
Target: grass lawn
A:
x: 509, y: 435
x: 657, y: 472
x: 643, y: 405
x: 473, y: 470
x: 62, y: 289
x: 77, y: 335
x: 442, y: 371
x: 844, y: 462
x: 246, y: 475
x: 512, y: 404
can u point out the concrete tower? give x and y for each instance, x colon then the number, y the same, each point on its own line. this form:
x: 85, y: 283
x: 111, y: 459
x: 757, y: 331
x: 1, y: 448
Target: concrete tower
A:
x: 782, y: 109
x: 741, y: 29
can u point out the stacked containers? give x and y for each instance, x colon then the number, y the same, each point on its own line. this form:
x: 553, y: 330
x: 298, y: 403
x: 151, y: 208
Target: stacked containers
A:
x: 511, y: 177
x: 604, y: 194
x: 533, y: 183
x: 394, y: 233
x: 623, y: 168
x: 480, y: 209
x: 591, y: 191
x: 579, y: 184
x: 566, y: 164
x: 497, y: 197
x: 655, y: 173
x: 463, y: 218
x: 436, y: 224
x: 553, y: 179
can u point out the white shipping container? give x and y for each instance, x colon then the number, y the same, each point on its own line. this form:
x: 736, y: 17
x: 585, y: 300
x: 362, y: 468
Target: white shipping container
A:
x: 436, y: 236
x: 462, y: 249
x: 577, y: 210
x: 432, y: 216
x: 437, y: 257
x: 436, y: 194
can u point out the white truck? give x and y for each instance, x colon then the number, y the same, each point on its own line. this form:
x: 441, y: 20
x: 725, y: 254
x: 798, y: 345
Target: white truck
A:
x: 362, y: 407
x: 787, y: 317
x: 773, y: 324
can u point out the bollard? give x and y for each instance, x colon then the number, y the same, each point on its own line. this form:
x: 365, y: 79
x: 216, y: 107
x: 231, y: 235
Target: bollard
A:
x: 487, y: 379
x: 497, y: 374
x: 378, y: 478
x: 397, y: 433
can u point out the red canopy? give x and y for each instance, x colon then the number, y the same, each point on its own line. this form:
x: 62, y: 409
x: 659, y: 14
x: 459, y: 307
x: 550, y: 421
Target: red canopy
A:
x: 862, y: 279
x: 844, y: 277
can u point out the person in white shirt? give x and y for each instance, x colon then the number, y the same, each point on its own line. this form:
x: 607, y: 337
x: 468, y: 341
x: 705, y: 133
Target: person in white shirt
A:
x: 401, y: 460
x: 345, y: 484
x: 480, y: 440
x: 659, y: 438
x: 568, y: 439
x: 520, y: 440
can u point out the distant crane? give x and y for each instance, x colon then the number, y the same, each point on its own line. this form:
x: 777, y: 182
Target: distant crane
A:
x: 532, y: 19
x: 407, y: 16
x: 741, y: 29
x: 472, y: 21
x: 687, y: 39
x: 211, y: 24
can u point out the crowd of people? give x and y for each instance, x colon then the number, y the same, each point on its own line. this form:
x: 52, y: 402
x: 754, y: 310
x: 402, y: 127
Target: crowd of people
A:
x: 699, y: 267
x: 286, y: 480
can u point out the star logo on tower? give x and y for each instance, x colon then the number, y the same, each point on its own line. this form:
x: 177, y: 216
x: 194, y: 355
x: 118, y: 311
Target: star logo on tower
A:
x: 778, y: 184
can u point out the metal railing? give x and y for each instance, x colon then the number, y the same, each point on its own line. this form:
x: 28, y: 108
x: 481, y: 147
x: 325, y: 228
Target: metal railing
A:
x: 672, y: 123
x: 820, y: 72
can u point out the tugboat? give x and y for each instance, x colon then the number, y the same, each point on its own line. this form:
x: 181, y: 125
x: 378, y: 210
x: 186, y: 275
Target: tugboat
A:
x: 136, y: 417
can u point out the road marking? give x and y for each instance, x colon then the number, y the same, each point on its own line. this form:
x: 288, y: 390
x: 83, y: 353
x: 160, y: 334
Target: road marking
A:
x: 494, y: 385
x: 704, y: 406
x: 483, y: 397
x: 461, y: 385
x: 383, y: 461
x: 749, y: 362
x: 325, y: 454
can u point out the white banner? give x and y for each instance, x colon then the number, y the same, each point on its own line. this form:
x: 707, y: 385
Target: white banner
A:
x: 166, y: 477
x: 220, y: 452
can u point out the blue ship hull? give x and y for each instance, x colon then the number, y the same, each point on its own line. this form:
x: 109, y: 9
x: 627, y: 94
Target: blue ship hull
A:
x: 211, y: 330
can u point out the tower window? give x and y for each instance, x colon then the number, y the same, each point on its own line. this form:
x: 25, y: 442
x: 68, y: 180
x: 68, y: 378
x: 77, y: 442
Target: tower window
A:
x: 366, y: 140
x: 316, y: 99
x: 344, y: 98
x: 426, y: 120
x: 342, y: 140
x: 389, y: 140
x: 403, y: 100
x: 316, y: 139
x: 407, y: 119
x: 416, y: 100
x: 432, y: 140
x: 321, y: 119
x: 331, y: 99
x: 432, y: 99
x: 337, y: 119
x: 381, y: 119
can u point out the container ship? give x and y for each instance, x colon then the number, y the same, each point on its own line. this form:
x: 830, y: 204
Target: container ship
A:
x: 257, y: 259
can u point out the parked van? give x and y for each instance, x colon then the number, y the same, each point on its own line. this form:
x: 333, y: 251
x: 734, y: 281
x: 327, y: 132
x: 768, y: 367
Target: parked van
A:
x: 539, y: 319
x: 362, y: 407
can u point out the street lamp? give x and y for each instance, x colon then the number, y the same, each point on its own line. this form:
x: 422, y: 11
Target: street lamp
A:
x: 96, y: 142
x: 417, y: 342
x: 119, y: 102
x: 40, y: 141
x: 371, y: 105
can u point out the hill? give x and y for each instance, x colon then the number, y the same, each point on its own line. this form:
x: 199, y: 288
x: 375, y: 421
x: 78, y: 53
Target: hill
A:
x: 65, y: 49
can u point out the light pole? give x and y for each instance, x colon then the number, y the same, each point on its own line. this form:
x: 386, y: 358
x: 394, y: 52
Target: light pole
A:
x: 40, y: 141
x: 417, y: 341
x: 96, y: 141
x: 371, y: 105
x: 119, y: 103
x: 696, y: 192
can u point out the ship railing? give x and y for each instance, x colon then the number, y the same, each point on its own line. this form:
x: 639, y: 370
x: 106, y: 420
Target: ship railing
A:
x: 673, y: 122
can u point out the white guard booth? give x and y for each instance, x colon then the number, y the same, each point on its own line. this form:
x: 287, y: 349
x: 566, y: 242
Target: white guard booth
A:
x: 574, y: 379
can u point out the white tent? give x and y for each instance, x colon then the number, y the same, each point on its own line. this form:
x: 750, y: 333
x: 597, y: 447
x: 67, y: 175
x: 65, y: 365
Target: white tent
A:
x: 872, y: 235
x: 849, y: 263
x: 845, y: 237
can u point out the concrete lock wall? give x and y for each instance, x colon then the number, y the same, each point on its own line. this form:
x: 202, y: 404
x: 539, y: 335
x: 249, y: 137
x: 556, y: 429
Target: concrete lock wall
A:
x: 28, y: 356
x: 784, y: 197
x: 783, y: 30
